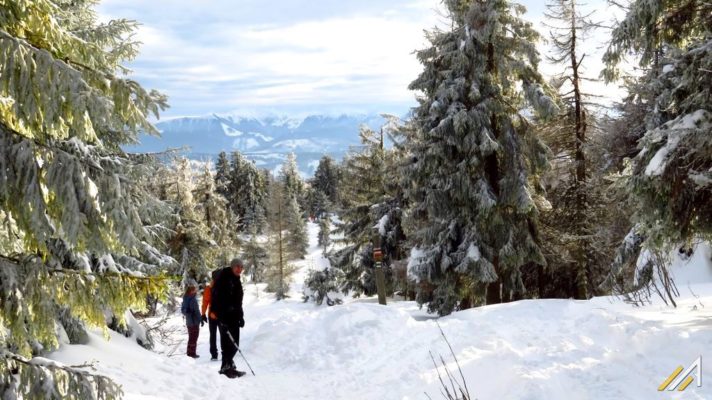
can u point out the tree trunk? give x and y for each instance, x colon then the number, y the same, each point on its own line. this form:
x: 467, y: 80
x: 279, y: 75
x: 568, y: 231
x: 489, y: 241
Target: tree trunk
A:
x: 580, y: 162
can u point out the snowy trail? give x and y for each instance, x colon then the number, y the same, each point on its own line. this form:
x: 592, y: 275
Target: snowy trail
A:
x: 536, y: 349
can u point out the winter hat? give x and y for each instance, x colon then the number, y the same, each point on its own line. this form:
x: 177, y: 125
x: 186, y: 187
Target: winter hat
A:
x: 236, y: 262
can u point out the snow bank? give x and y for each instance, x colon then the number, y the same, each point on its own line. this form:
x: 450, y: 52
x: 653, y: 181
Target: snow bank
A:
x: 535, y: 349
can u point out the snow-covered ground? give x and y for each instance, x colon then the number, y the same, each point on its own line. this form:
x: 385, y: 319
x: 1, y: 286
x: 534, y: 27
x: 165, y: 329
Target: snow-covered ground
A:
x: 536, y: 349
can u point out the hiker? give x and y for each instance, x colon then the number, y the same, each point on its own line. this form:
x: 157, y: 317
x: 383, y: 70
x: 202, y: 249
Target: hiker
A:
x: 190, y: 310
x: 226, y: 303
x: 210, y: 317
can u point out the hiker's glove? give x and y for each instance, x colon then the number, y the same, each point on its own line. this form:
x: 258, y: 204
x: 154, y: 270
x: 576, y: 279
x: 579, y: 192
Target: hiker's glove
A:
x: 241, y: 322
x: 204, y: 319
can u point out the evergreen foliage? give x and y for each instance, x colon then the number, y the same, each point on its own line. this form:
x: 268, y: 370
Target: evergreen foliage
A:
x: 75, y: 235
x: 191, y: 243
x: 279, y: 272
x: 246, y: 191
x: 670, y: 184
x: 222, y: 175
x: 473, y: 160
x: 371, y: 212
x: 322, y: 285
x: 326, y: 179
x: 256, y: 259
x: 292, y: 188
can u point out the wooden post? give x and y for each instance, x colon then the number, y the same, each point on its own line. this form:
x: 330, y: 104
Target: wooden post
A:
x: 380, y: 276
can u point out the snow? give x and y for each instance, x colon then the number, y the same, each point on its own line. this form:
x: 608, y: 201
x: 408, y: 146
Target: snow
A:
x: 473, y: 252
x: 230, y: 131
x: 675, y: 130
x: 534, y: 349
x: 381, y: 225
x: 668, y: 68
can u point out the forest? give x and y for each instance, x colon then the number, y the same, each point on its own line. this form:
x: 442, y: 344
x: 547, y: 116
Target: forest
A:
x: 502, y: 184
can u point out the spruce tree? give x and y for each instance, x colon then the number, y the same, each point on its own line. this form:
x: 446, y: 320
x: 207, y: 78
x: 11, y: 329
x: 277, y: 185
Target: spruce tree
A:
x: 292, y: 188
x: 256, y: 259
x: 670, y: 184
x: 326, y: 179
x: 191, y: 243
x: 219, y: 221
x: 246, y: 192
x: 70, y: 210
x: 222, y: 175
x: 372, y: 204
x: 473, y: 157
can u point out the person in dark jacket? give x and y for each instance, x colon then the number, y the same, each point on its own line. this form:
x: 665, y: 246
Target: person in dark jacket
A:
x: 209, y: 316
x: 226, y: 303
x: 190, y: 310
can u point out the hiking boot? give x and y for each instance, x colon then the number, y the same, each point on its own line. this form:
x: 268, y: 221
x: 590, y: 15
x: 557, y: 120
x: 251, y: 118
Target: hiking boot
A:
x: 213, y: 358
x: 193, y: 356
x: 231, y: 372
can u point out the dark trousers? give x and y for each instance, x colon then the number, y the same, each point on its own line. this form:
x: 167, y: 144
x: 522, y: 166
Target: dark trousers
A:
x: 213, y: 328
x: 193, y: 332
x: 229, y: 348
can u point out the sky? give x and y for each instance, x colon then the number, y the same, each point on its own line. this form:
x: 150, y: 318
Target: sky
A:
x: 293, y: 57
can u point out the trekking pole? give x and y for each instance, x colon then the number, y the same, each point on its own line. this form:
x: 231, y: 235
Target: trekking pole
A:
x: 229, y: 335
x: 248, y: 364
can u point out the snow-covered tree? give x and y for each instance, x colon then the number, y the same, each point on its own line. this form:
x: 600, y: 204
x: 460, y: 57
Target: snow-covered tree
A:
x: 321, y: 285
x: 72, y: 217
x: 292, y: 190
x: 371, y: 211
x: 246, y: 192
x: 215, y: 214
x: 191, y: 244
x: 326, y: 179
x: 279, y: 272
x: 473, y: 159
x: 256, y: 259
x: 222, y: 175
x: 671, y: 182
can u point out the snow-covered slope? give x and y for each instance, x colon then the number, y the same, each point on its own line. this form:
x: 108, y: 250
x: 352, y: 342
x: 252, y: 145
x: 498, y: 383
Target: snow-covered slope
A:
x: 536, y: 349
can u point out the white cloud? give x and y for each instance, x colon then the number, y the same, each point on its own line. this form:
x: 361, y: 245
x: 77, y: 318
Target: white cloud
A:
x: 226, y: 55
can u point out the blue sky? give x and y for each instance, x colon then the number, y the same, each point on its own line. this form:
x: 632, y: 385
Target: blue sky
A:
x: 287, y: 57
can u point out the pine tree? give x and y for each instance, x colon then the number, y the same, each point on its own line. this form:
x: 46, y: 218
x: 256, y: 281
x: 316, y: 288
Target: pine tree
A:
x: 326, y: 179
x: 246, y: 192
x: 69, y: 208
x: 215, y: 214
x: 372, y: 204
x: 473, y: 158
x: 292, y: 188
x: 192, y: 243
x: 670, y: 185
x: 256, y: 258
x: 222, y: 175
x: 279, y: 273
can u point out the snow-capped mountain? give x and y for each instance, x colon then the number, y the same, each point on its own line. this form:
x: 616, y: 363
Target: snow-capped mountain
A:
x: 265, y: 140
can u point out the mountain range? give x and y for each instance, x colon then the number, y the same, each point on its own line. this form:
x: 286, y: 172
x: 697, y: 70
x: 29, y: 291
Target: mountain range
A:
x: 265, y: 140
